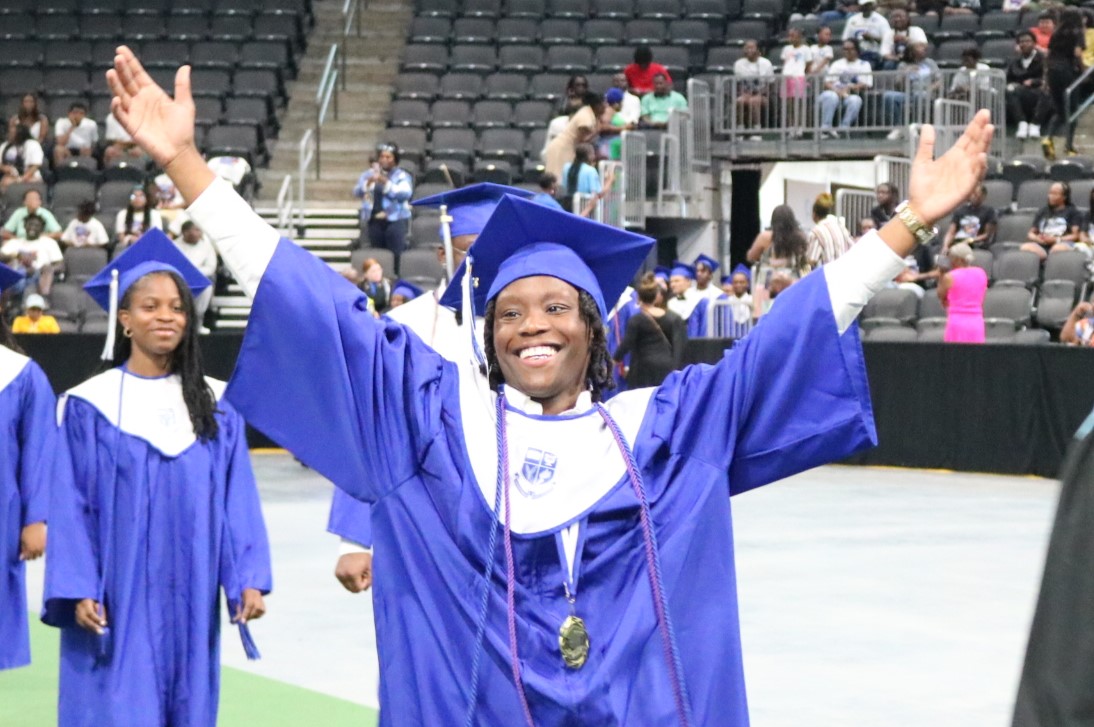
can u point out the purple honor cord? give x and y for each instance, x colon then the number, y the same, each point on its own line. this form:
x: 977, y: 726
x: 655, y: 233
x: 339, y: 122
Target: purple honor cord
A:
x: 653, y: 568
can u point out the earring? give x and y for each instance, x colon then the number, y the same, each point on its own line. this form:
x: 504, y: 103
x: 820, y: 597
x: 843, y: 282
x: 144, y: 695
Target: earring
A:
x: 127, y: 333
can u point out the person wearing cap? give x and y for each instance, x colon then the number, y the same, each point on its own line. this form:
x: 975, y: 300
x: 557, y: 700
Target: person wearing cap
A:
x: 654, y: 341
x: 661, y: 275
x: 612, y: 125
x: 197, y: 248
x: 631, y: 105
x: 683, y: 298
x: 154, y: 509
x: 32, y: 205
x: 868, y: 27
x: 27, y: 414
x: 385, y: 189
x: 35, y: 254
x: 35, y: 320
x: 539, y: 545
x: 705, y: 267
x: 403, y: 293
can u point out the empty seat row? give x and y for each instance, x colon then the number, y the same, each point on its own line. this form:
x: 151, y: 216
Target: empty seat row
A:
x: 592, y: 32
x: 42, y: 8
x: 482, y: 115
x: 286, y: 28
x: 531, y: 59
x: 584, y: 9
x: 99, y: 55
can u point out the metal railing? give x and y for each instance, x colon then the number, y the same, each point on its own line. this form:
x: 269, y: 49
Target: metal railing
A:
x: 700, y: 104
x: 307, y: 152
x: 893, y: 169
x: 633, y: 179
x: 611, y: 207
x: 674, y: 170
x: 950, y: 118
x: 286, y: 212
x: 1082, y: 83
x: 853, y: 205
x: 326, y: 95
x: 722, y: 319
x: 352, y: 10
x: 779, y: 116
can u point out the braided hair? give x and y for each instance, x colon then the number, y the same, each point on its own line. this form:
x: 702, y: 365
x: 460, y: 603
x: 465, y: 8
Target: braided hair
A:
x: 185, y: 360
x: 598, y: 376
x: 6, y: 339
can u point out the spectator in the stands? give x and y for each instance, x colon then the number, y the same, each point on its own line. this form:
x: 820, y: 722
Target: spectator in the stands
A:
x: 821, y: 51
x: 1079, y: 328
x: 34, y: 254
x: 631, y: 108
x: 582, y: 128
x: 30, y: 115
x: 973, y: 223
x: 900, y: 35
x: 1017, y: 6
x: 864, y: 225
x: 32, y: 205
x: 845, y: 80
x: 888, y: 197
x: 924, y: 79
x: 21, y: 157
x: 961, y: 291
x: 120, y: 145
x: 1042, y: 32
x: 1062, y: 68
x: 1086, y: 231
x: 548, y: 191
x: 868, y: 27
x: 640, y: 73
x: 797, y: 62
x: 1056, y: 226
x: 754, y: 75
x: 85, y: 230
x: 657, y: 105
x: 385, y: 190
x: 199, y: 250
x: 1087, y: 59
x: 74, y: 135
x: 574, y: 98
x: 138, y: 217
x: 612, y: 125
x: 232, y: 169
x: 580, y: 176
x: 961, y: 85
x: 829, y: 237
x: 35, y: 320
x: 835, y: 11
x: 374, y: 285
x: 1025, y: 76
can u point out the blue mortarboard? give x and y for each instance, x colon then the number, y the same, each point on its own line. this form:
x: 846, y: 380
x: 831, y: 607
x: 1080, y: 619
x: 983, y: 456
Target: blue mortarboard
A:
x: 410, y: 291
x: 742, y: 268
x: 662, y: 273
x: 706, y: 260
x: 523, y: 239
x: 682, y: 269
x: 727, y: 279
x: 9, y: 277
x: 470, y: 207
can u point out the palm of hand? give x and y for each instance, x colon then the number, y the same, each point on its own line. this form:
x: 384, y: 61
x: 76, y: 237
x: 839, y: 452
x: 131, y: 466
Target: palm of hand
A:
x: 160, y: 124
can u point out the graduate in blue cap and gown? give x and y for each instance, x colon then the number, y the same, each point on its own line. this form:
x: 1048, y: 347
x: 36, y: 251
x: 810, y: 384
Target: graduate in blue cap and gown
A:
x: 735, y: 312
x: 153, y: 510
x: 682, y: 296
x: 548, y: 559
x: 466, y: 211
x: 29, y: 423
x: 705, y: 267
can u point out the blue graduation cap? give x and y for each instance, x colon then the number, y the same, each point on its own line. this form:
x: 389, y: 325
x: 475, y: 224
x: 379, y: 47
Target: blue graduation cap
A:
x: 152, y: 253
x: 9, y: 277
x: 706, y: 260
x: 470, y: 207
x: 727, y: 279
x: 407, y: 290
x: 744, y: 269
x: 662, y: 273
x: 523, y: 239
x: 682, y: 269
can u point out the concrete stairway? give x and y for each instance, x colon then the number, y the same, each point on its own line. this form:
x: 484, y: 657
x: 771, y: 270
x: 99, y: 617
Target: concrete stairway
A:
x: 372, y: 61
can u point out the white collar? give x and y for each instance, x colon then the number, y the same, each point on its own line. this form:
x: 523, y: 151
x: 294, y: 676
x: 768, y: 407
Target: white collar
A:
x: 522, y: 402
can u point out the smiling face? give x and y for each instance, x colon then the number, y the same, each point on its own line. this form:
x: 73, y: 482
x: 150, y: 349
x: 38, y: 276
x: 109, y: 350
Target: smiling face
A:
x: 703, y: 275
x: 541, y: 342
x: 678, y: 284
x: 1056, y: 195
x: 740, y: 284
x: 155, y: 315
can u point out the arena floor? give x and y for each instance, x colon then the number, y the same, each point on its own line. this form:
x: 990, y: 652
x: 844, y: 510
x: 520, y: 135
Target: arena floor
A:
x: 868, y: 597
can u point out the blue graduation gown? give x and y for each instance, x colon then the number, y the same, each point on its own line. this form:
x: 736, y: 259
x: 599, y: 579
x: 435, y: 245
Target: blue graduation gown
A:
x: 350, y: 519
x: 369, y: 406
x: 155, y: 523
x: 29, y: 445
x: 617, y: 327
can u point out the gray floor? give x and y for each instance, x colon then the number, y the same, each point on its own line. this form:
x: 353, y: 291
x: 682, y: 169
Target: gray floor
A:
x: 868, y: 596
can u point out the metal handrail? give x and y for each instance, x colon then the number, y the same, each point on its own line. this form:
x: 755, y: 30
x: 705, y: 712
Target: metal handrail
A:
x: 325, y: 94
x: 853, y: 205
x: 894, y: 170
x: 699, y: 104
x: 285, y: 207
x: 307, y: 152
x: 1073, y: 116
x: 632, y: 179
x: 352, y: 10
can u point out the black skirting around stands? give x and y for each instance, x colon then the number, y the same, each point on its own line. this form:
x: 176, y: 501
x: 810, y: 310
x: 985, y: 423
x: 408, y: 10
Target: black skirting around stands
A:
x: 995, y: 408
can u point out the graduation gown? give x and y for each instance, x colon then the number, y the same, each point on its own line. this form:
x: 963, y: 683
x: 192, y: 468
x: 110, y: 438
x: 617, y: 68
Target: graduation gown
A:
x: 27, y: 451
x: 151, y: 522
x: 390, y: 421
x: 625, y: 308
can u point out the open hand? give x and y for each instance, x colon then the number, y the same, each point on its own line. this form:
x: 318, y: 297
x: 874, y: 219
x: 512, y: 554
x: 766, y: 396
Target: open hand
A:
x: 162, y: 126
x: 938, y: 186
x: 91, y: 615
x: 354, y: 572
x: 32, y: 541
x: 251, y: 607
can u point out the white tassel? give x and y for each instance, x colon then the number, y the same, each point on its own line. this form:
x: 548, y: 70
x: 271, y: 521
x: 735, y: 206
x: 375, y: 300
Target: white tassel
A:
x: 446, y: 238
x: 469, y: 311
x: 112, y: 318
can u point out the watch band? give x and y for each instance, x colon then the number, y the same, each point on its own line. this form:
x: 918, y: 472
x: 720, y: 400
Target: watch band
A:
x: 922, y: 233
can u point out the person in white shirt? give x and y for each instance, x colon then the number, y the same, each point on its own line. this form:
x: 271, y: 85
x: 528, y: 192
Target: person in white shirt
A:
x: 21, y: 157
x: 962, y: 84
x: 821, y: 51
x: 797, y: 61
x: 75, y: 134
x: 754, y: 74
x: 632, y: 105
x: 868, y: 27
x: 845, y: 79
x: 84, y: 230
x: 35, y: 255
x: 897, y: 39
x: 199, y: 250
x: 120, y: 144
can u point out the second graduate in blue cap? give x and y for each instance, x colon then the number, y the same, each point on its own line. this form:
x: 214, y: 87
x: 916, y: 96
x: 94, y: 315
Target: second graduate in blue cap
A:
x: 545, y: 559
x: 154, y: 509
x: 28, y: 418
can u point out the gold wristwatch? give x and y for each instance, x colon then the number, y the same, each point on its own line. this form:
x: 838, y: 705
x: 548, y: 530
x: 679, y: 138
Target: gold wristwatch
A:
x: 922, y: 233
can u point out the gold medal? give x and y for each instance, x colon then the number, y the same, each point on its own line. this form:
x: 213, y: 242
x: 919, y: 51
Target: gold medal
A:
x: 573, y: 642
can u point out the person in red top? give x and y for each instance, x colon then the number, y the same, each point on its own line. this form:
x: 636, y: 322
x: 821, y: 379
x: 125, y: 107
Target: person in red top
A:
x: 640, y: 73
x: 1046, y: 25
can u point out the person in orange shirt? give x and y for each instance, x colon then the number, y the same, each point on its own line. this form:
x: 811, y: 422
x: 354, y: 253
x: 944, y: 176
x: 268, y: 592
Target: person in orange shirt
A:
x: 35, y: 321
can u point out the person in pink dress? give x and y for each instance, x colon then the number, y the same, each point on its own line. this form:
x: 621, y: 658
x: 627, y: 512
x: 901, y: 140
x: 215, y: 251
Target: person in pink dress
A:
x: 962, y: 294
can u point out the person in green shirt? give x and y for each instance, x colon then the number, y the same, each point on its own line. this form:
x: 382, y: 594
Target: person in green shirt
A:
x: 32, y: 204
x: 657, y: 105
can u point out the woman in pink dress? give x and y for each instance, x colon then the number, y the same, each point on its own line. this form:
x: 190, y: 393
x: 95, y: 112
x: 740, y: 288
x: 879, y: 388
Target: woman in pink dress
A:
x: 962, y: 294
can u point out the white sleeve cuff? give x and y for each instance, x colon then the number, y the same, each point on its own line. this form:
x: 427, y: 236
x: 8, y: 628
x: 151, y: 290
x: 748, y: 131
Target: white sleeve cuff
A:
x: 245, y: 242
x: 347, y: 547
x: 857, y: 275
